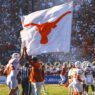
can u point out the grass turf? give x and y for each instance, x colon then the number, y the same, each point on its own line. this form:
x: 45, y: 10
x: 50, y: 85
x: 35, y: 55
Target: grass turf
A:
x: 51, y: 90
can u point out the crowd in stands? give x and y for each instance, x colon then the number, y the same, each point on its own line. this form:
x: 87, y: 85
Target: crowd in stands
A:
x: 83, y: 29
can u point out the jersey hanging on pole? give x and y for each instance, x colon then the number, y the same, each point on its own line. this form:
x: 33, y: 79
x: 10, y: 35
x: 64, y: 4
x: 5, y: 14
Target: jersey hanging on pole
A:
x: 48, y: 30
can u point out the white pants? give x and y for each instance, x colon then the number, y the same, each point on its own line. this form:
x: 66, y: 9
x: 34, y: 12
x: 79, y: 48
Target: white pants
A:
x: 44, y: 88
x: 12, y: 82
x: 77, y: 86
x: 36, y: 87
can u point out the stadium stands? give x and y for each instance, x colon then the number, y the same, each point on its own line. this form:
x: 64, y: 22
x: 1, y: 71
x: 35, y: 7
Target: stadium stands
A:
x: 83, y: 29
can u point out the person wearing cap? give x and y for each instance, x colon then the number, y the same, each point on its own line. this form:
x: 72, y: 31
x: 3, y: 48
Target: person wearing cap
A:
x: 11, y: 70
x: 36, y: 75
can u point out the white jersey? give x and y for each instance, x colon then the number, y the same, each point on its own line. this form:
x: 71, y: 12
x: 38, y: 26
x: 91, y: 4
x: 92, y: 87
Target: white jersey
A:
x: 73, y: 70
x: 12, y: 77
x: 15, y: 65
x: 78, y: 72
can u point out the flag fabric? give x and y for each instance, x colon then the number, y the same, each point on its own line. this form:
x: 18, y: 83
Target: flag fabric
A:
x: 48, y: 30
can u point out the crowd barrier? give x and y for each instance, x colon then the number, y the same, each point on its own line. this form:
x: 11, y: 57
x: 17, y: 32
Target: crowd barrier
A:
x: 48, y: 79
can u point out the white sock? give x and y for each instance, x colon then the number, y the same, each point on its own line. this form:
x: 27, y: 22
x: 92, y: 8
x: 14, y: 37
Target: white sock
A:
x: 86, y: 93
x: 92, y: 93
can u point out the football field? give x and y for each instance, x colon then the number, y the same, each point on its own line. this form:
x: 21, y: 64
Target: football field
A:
x: 51, y: 90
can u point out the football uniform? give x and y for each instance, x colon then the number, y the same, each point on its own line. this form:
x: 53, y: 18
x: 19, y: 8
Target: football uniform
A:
x: 89, y: 75
x: 76, y: 81
x: 12, y: 66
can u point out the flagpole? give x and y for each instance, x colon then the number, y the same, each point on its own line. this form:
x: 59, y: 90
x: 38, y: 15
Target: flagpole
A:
x: 32, y: 5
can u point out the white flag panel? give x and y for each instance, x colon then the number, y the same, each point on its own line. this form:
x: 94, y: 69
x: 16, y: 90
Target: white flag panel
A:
x: 48, y: 30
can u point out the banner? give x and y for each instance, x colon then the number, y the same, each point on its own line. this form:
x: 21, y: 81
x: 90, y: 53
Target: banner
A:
x: 52, y: 79
x: 48, y: 30
x: 2, y: 80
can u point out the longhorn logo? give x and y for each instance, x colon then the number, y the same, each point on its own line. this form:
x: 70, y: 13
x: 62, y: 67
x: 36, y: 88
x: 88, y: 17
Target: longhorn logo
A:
x: 45, y: 28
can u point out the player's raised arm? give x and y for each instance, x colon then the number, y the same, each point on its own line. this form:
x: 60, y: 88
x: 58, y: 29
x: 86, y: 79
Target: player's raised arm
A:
x: 21, y: 56
x: 26, y: 55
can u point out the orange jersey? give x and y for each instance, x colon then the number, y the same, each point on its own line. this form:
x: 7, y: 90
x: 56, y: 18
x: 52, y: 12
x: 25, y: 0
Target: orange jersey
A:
x: 36, y: 73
